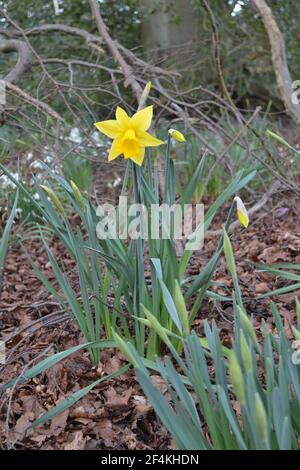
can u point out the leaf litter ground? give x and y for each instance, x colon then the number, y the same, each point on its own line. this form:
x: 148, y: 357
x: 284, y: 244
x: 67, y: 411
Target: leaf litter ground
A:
x: 116, y: 414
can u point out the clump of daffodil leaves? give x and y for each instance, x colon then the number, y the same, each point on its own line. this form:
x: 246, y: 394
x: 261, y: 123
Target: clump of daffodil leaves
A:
x: 158, y: 310
x: 129, y: 134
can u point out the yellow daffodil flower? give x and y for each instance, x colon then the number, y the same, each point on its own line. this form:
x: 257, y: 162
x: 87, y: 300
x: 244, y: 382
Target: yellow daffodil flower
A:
x: 242, y: 212
x: 177, y: 135
x: 129, y: 134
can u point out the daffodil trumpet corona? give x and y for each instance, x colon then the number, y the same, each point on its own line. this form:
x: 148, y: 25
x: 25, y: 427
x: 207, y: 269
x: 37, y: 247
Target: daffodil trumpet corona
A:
x: 129, y: 134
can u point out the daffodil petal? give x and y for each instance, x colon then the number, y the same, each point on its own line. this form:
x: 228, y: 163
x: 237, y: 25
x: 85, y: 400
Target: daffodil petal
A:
x: 122, y: 117
x: 114, y: 152
x: 177, y: 135
x: 109, y: 128
x: 139, y: 158
x: 243, y: 219
x: 242, y: 212
x: 148, y: 140
x: 141, y: 120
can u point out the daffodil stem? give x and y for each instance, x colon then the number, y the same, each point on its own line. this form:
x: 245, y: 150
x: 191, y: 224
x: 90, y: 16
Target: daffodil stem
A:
x: 167, y: 172
x: 234, y: 277
x: 226, y: 226
x: 217, y: 254
x: 139, y: 266
x: 126, y: 178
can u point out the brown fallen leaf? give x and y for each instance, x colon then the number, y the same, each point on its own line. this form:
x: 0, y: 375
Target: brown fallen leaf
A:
x: 130, y: 439
x: 262, y: 288
x: 104, y: 430
x: 38, y: 439
x: 83, y: 412
x: 78, y: 442
x: 23, y: 422
x: 115, y: 400
x: 141, y: 406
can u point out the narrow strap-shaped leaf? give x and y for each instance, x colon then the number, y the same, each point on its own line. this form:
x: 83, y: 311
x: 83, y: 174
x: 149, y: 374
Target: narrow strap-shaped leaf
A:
x: 6, y: 233
x: 54, y: 359
x: 168, y: 300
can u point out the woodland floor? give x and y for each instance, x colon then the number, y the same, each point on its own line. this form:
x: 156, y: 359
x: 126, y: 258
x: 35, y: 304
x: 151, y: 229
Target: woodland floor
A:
x: 116, y: 415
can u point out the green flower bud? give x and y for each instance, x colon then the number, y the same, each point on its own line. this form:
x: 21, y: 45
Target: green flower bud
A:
x: 229, y: 255
x: 181, y: 308
x: 247, y: 325
x: 237, y: 378
x: 261, y: 418
x: 77, y: 195
x: 56, y: 202
x: 279, y: 139
x: 246, y: 354
x: 145, y: 94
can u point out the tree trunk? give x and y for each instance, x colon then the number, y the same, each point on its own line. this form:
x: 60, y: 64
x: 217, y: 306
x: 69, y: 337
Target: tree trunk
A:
x: 169, y: 23
x: 283, y: 77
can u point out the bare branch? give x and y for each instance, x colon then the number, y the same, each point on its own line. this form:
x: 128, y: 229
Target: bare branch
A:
x: 92, y: 40
x: 126, y: 69
x: 24, y: 58
x: 35, y: 102
x: 81, y: 63
x: 24, y: 62
x: 73, y: 31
